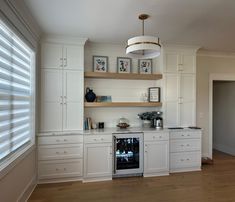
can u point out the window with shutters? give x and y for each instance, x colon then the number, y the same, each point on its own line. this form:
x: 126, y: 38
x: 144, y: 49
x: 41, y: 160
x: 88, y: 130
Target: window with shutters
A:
x: 17, y: 88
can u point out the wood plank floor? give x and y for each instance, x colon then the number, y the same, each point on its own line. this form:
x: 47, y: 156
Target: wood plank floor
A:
x: 215, y: 183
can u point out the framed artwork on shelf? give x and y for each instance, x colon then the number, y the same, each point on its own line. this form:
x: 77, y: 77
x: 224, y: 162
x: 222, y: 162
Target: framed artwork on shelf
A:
x: 145, y: 66
x: 123, y: 65
x: 154, y: 94
x: 100, y: 63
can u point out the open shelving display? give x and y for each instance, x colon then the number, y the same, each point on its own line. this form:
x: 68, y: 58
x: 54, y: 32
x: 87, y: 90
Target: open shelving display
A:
x: 122, y: 104
x: 131, y: 76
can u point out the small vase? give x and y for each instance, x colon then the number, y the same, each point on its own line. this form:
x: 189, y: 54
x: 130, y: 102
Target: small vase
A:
x: 90, y: 95
x: 146, y: 123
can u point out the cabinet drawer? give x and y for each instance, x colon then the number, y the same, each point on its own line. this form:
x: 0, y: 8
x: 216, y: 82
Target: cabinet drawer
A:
x: 60, y: 152
x: 63, y: 139
x: 185, y: 145
x: 97, y: 138
x: 156, y: 136
x: 63, y: 168
x: 182, y: 135
x: 185, y: 160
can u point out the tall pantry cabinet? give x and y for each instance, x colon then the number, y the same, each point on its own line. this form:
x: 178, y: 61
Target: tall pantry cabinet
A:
x: 62, y: 80
x: 179, y: 74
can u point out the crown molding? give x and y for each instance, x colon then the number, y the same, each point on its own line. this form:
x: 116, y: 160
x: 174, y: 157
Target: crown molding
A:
x: 64, y: 39
x: 206, y: 53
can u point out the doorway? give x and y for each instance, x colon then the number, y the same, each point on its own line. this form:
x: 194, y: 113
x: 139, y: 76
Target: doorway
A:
x: 222, y: 113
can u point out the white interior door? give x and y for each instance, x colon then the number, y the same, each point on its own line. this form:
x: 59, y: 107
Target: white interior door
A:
x: 51, y: 100
x: 73, y: 100
x: 52, y: 56
x: 73, y: 57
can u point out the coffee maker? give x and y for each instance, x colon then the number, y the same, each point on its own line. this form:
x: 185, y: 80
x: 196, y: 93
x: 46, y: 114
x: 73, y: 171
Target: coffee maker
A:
x: 158, y: 121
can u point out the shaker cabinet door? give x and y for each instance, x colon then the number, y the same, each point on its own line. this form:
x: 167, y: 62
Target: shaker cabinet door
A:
x: 73, y: 57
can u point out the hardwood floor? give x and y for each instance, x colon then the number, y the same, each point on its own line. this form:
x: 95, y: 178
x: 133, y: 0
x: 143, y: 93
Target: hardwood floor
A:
x: 215, y: 183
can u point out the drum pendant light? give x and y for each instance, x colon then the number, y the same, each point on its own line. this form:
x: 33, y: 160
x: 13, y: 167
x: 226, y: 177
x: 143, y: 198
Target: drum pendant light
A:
x: 143, y: 47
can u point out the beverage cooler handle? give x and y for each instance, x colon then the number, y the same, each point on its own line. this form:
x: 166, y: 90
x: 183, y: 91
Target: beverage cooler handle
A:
x: 114, y: 154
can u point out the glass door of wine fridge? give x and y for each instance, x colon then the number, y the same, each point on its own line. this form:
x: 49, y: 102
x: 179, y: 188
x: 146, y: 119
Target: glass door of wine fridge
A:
x: 128, y: 154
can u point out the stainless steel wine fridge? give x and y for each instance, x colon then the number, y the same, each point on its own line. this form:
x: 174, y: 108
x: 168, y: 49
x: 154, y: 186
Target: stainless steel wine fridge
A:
x: 128, y: 154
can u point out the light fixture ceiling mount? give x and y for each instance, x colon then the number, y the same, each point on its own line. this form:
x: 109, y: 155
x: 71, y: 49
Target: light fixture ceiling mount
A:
x: 143, y: 47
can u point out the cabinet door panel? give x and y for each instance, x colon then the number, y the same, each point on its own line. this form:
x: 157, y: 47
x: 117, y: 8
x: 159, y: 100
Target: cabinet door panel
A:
x: 52, y: 56
x: 172, y: 87
x: 171, y: 62
x: 73, y: 57
x: 187, y: 114
x: 187, y: 87
x: 156, y: 156
x: 171, y: 114
x: 188, y: 62
x: 51, y: 117
x: 98, y: 160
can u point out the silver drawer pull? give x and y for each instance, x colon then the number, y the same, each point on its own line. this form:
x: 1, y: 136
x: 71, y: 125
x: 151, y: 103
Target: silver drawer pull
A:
x: 154, y: 137
x: 65, y: 152
x: 95, y: 139
x: 145, y: 151
x: 102, y: 139
x: 182, y: 145
x: 65, y: 140
x: 182, y: 135
x: 182, y: 159
x: 65, y: 169
x: 160, y: 136
x: 188, y: 135
x: 188, y: 145
x: 57, y: 169
x: 57, y: 140
x: 57, y: 152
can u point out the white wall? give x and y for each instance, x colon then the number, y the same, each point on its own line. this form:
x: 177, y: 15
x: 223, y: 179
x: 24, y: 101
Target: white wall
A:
x: 120, y: 90
x: 19, y: 180
x: 208, y: 63
x: 224, y: 116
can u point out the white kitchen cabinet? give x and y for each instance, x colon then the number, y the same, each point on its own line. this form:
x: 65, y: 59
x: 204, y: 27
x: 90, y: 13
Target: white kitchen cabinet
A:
x: 61, y: 100
x: 179, y: 62
x: 98, y: 154
x: 185, y: 150
x: 62, y: 56
x: 60, y: 157
x: 156, y: 154
x: 180, y: 99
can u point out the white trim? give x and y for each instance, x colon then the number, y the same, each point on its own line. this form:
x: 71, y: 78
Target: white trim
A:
x: 64, y: 39
x: 204, y: 53
x: 28, y: 190
x: 213, y: 77
x: 174, y: 47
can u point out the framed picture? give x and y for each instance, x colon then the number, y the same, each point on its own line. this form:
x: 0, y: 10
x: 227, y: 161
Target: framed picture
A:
x: 145, y: 66
x: 100, y: 63
x: 154, y: 94
x: 123, y: 65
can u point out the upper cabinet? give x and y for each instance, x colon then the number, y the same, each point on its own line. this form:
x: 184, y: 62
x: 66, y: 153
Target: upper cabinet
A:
x: 179, y: 61
x: 59, y: 54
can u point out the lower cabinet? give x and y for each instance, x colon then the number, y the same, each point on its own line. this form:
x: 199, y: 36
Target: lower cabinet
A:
x: 156, y: 154
x: 185, y: 151
x: 98, y: 155
x: 60, y: 158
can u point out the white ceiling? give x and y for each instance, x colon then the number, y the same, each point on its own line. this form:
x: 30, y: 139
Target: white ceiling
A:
x: 207, y: 23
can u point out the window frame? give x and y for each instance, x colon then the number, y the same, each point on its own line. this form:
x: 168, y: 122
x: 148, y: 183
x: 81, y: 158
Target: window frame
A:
x: 11, y: 160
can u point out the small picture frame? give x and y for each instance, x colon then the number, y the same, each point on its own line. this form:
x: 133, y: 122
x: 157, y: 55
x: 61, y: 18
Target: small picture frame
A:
x: 123, y: 65
x: 154, y: 94
x: 100, y: 63
x: 145, y: 66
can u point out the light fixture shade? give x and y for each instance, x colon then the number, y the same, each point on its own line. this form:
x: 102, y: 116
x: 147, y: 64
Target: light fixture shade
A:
x: 143, y: 47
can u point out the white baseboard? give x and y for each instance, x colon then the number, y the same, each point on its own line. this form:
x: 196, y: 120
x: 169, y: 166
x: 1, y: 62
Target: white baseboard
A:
x: 28, y: 190
x: 224, y: 148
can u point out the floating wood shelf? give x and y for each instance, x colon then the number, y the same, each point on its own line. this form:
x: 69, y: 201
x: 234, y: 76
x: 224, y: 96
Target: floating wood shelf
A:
x: 122, y: 104
x: 131, y: 76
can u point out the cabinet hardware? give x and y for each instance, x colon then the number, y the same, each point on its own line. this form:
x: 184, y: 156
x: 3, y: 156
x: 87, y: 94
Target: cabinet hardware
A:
x: 65, y: 152
x: 57, y: 140
x: 182, y: 145
x: 65, y: 140
x: 65, y: 169
x: 102, y: 139
x: 188, y: 145
x: 57, y: 152
x: 65, y: 59
x: 160, y: 136
x: 57, y: 169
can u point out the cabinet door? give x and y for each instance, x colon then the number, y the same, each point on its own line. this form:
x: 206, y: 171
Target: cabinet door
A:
x: 188, y: 62
x: 73, y: 57
x: 156, y: 157
x: 171, y: 100
x: 187, y: 100
x: 172, y: 60
x: 51, y: 100
x: 97, y: 160
x: 52, y: 56
x: 73, y: 100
